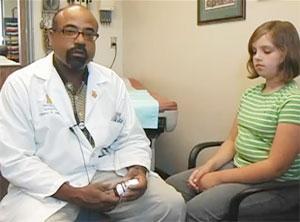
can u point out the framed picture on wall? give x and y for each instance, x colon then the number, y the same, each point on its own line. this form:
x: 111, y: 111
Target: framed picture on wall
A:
x: 215, y: 11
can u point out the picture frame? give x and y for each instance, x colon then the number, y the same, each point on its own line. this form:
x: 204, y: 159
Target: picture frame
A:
x: 215, y: 11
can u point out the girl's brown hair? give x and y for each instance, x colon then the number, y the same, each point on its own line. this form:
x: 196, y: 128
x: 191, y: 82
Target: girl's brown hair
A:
x: 285, y: 37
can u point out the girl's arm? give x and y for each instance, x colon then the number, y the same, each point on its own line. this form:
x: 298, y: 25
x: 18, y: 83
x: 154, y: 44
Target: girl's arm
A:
x: 224, y: 154
x: 284, y: 150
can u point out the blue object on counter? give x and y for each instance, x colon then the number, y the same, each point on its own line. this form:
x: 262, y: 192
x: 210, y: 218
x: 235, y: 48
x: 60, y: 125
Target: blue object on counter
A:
x: 146, y: 108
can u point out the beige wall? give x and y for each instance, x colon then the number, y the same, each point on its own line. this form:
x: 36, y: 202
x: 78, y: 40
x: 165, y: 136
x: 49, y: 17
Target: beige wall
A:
x: 200, y: 67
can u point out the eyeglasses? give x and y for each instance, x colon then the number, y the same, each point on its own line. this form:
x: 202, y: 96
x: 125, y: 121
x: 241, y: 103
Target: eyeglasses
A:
x: 73, y: 33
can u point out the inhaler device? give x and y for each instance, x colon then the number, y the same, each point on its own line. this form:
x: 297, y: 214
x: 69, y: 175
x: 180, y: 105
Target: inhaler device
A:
x: 121, y: 188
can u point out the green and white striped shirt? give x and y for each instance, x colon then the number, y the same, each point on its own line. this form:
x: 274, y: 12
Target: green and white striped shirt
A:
x: 258, y: 117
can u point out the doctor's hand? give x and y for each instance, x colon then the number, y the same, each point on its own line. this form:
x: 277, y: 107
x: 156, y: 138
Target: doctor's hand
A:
x: 98, y: 196
x: 94, y: 196
x: 134, y: 192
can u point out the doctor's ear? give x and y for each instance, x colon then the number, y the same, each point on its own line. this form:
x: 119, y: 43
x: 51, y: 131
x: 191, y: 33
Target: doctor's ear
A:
x: 49, y: 34
x: 47, y: 39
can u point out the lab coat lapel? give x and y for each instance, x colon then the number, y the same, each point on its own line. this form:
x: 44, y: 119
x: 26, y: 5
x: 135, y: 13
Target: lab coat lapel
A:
x: 94, y: 93
x: 55, y: 89
x: 59, y: 96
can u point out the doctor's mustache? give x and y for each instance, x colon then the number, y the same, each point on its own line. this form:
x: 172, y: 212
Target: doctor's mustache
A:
x: 78, y: 48
x: 77, y: 56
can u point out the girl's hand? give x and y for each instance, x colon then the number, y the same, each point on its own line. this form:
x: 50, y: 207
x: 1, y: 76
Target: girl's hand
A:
x: 209, y: 180
x: 196, y: 176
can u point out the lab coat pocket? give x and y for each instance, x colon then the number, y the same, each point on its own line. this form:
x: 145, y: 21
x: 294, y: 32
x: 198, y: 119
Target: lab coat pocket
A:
x: 47, y: 120
x: 105, y: 133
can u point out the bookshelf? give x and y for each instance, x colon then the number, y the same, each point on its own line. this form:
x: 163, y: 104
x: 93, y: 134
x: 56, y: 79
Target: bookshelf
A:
x: 11, y: 37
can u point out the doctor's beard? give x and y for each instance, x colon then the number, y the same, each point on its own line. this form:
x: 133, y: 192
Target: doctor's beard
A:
x: 77, y: 57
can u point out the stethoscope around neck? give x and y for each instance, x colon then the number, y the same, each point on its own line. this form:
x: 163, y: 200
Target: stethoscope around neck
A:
x: 78, y: 133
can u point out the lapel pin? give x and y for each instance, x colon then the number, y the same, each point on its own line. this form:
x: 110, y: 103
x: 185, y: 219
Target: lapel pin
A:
x: 94, y: 93
x: 49, y: 101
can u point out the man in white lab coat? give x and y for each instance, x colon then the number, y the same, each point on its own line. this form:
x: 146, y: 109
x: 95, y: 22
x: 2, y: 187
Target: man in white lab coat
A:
x: 68, y: 135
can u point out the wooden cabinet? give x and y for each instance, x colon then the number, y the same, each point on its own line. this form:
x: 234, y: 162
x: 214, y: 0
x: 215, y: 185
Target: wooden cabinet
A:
x: 5, y: 71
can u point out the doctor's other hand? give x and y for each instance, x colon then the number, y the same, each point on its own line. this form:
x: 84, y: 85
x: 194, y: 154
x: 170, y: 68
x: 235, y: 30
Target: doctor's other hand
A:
x: 134, y: 192
x: 94, y: 196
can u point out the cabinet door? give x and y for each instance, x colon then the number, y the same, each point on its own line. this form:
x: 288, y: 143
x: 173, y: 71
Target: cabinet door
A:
x: 5, y: 71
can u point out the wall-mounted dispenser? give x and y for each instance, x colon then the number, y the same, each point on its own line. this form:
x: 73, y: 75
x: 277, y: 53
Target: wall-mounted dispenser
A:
x: 81, y: 2
x: 105, y: 10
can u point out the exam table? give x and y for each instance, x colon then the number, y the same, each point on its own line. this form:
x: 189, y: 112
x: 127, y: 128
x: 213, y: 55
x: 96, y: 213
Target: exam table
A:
x: 167, y: 116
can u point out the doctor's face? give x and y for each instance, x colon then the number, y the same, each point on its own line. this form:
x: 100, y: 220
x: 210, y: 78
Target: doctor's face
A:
x: 73, y: 37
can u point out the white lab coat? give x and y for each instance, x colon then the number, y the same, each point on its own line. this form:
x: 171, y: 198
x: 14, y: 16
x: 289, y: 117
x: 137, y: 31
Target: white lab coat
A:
x: 38, y: 151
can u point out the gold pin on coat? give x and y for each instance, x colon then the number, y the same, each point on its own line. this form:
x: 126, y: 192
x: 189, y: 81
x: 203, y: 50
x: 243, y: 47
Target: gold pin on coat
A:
x: 49, y: 101
x: 94, y: 94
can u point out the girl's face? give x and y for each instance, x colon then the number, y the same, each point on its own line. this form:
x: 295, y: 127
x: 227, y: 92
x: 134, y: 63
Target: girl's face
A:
x: 266, y: 58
